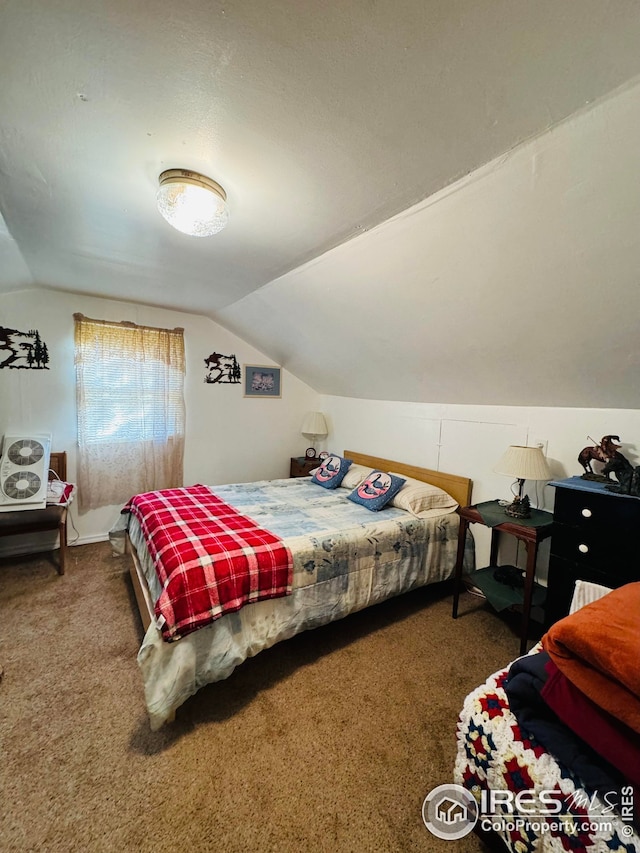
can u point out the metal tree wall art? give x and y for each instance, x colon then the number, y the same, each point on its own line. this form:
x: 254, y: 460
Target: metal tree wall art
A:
x: 222, y: 369
x: 24, y: 350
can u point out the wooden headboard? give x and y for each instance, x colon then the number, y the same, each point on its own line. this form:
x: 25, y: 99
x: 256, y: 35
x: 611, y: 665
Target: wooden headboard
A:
x: 458, y: 487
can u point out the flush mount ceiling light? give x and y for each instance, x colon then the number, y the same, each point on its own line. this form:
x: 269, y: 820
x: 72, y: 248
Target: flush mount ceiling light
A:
x: 192, y: 203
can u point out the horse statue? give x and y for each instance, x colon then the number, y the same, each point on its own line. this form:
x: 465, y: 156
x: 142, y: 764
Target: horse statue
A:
x: 604, y: 452
x: 614, y: 462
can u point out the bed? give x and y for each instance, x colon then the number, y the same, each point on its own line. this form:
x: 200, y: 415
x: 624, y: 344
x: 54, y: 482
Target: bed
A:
x: 344, y: 557
x: 535, y: 728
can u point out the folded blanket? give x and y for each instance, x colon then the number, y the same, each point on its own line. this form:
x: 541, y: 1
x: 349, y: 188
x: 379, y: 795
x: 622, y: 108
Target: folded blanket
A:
x: 523, y: 686
x: 210, y: 559
x: 598, y: 649
x: 615, y: 742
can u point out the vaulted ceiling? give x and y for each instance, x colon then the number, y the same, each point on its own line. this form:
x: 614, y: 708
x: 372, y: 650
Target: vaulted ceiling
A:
x: 320, y: 119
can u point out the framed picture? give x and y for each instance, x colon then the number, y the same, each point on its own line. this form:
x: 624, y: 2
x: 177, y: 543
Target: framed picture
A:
x: 262, y: 380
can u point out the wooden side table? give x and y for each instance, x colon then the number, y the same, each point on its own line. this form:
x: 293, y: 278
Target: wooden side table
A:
x: 301, y: 466
x: 530, y: 531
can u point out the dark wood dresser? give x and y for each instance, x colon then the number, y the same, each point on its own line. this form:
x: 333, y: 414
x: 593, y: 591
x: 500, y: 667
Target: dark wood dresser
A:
x: 596, y: 537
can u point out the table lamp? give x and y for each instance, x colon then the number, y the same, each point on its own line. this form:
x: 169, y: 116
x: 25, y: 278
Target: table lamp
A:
x: 314, y: 427
x: 523, y: 463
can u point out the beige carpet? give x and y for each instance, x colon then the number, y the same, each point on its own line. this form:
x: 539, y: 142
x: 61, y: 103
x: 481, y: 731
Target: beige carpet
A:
x: 328, y: 742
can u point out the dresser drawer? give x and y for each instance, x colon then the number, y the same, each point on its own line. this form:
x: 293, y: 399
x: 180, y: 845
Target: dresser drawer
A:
x: 589, y: 547
x: 595, y: 538
x: 596, y: 511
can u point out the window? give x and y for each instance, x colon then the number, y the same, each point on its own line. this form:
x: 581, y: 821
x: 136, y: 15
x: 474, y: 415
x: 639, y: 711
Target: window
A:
x: 131, y: 414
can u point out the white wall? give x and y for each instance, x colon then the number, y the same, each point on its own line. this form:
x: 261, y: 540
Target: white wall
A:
x: 229, y: 438
x: 469, y: 440
x: 517, y: 285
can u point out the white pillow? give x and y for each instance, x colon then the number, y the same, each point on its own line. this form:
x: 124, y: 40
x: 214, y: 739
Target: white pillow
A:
x: 422, y: 499
x: 356, y: 475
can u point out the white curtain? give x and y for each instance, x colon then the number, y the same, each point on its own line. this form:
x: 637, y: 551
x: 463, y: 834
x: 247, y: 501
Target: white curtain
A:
x: 131, y: 413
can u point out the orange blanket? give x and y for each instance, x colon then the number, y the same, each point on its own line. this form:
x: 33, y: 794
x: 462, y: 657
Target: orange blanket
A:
x: 598, y: 649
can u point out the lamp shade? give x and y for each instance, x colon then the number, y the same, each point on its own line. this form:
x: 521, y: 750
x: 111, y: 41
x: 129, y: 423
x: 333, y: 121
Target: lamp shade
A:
x: 525, y: 463
x: 192, y: 203
x: 314, y: 425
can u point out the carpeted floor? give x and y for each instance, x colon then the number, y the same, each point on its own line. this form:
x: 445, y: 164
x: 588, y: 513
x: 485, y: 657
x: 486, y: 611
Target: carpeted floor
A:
x: 328, y: 742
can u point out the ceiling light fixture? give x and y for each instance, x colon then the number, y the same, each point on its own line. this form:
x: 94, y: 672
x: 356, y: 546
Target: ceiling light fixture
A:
x: 192, y: 203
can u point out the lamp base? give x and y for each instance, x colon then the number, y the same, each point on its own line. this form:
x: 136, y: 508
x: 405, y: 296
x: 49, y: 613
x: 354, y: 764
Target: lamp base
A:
x: 520, y: 508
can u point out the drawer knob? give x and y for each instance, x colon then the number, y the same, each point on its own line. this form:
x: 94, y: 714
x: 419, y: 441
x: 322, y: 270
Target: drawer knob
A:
x: 587, y: 513
x: 583, y: 548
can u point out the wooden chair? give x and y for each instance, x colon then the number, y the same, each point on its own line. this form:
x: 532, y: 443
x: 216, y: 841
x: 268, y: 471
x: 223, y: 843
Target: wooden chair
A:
x: 22, y: 522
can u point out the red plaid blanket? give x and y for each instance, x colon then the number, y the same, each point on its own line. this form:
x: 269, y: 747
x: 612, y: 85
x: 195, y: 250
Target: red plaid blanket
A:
x: 210, y: 559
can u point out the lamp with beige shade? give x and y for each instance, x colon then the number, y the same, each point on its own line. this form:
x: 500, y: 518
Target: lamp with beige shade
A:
x: 314, y: 427
x: 523, y: 463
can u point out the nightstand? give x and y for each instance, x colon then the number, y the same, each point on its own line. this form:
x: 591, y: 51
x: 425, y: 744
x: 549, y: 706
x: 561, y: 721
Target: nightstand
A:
x: 302, y: 467
x: 531, y: 531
